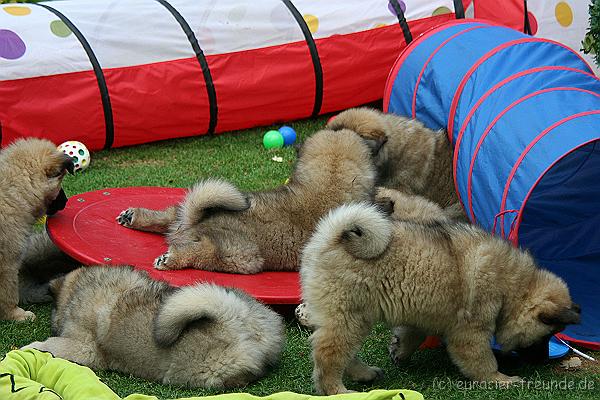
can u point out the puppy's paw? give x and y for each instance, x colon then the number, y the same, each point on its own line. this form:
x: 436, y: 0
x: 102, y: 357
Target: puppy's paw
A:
x: 330, y: 391
x: 505, y: 381
x: 161, y: 262
x: 18, y: 314
x: 302, y: 316
x: 35, y: 345
x: 126, y: 217
x: 398, y: 361
x: 369, y: 375
x: 398, y: 353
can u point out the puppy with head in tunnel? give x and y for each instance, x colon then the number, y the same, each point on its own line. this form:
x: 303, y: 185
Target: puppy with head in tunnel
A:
x: 427, y: 278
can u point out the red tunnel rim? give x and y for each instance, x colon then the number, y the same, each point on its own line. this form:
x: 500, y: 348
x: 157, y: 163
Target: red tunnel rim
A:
x: 488, y: 93
x: 585, y: 343
x: 484, y: 58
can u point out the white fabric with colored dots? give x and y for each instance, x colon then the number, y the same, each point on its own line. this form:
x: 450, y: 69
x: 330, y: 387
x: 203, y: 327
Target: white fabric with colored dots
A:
x: 564, y: 21
x: 27, y: 50
x: 35, y: 42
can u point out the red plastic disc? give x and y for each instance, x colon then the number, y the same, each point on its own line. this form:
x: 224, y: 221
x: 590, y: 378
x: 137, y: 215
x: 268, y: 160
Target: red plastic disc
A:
x: 87, y: 231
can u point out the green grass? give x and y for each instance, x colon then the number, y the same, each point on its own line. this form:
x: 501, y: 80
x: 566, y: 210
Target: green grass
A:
x: 240, y: 158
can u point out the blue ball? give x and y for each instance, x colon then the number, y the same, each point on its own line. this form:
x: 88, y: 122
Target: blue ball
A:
x: 289, y: 135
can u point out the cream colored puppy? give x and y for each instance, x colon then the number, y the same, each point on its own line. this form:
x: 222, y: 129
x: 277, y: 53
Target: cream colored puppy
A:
x: 31, y: 174
x: 452, y: 280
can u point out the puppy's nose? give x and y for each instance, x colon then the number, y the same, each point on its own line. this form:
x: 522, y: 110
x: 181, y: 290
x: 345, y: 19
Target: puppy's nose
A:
x: 68, y: 164
x: 576, y: 307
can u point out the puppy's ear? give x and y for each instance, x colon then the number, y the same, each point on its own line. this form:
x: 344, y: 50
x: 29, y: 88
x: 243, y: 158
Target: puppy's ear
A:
x: 563, y: 316
x: 60, y: 167
x: 376, y: 144
x: 375, y: 133
x: 298, y: 148
x: 385, y: 204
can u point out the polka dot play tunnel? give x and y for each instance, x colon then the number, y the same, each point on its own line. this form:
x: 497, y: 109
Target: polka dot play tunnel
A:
x: 115, y: 73
x: 523, y: 114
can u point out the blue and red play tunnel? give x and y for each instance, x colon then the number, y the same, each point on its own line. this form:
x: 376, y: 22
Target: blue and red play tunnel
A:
x: 523, y: 115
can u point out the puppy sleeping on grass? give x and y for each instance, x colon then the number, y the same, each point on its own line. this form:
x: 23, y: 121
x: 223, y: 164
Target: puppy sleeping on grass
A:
x: 198, y: 336
x: 436, y: 278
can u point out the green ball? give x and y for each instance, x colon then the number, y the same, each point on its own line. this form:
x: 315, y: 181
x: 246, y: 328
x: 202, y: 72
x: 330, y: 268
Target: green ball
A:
x: 273, y: 140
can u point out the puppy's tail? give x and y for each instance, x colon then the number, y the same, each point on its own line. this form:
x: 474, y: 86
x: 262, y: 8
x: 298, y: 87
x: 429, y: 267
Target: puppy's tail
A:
x: 199, y: 304
x: 362, y: 229
x: 209, y: 196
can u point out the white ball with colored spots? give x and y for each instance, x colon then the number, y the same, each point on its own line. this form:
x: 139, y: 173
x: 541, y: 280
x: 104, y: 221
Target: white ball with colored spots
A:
x: 79, y: 153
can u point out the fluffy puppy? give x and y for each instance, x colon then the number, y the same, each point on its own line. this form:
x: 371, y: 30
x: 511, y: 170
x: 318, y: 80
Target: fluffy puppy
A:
x: 42, y: 261
x: 412, y: 158
x: 397, y: 205
x: 199, y: 336
x: 407, y: 207
x: 31, y: 174
x: 452, y: 280
x: 219, y: 228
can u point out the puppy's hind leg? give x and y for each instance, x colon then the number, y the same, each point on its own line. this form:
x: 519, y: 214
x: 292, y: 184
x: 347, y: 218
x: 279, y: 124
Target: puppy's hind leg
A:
x: 70, y: 349
x: 143, y: 219
x: 469, y: 348
x: 334, y: 347
x: 405, y: 340
x: 240, y: 258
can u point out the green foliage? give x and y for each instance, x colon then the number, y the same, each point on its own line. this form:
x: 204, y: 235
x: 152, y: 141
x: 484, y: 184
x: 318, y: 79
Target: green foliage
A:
x: 591, y: 42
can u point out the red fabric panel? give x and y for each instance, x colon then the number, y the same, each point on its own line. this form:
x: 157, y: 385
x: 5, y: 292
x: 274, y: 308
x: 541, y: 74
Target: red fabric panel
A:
x: 263, y: 86
x: 59, y: 108
x: 372, y: 54
x: 157, y: 101
x: 166, y: 100
x: 510, y: 13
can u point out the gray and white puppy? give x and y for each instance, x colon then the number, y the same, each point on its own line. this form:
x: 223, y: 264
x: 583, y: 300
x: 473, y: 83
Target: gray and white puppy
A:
x: 199, y: 336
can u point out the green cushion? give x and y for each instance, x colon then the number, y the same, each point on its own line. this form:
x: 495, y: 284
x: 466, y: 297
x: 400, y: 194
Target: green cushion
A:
x: 32, y: 374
